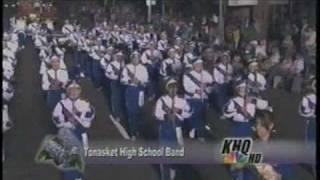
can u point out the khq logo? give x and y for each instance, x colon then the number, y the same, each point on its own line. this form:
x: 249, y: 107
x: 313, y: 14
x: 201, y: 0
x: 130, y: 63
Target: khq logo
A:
x: 238, y: 150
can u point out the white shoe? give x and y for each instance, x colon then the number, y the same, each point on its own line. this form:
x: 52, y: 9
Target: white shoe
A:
x: 82, y: 75
x: 192, y: 133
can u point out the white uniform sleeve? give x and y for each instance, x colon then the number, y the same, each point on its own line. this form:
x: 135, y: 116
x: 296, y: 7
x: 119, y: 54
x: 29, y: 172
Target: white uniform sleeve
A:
x: 58, y: 117
x: 263, y: 82
x: 124, y: 76
x: 144, y: 75
x: 305, y: 109
x: 163, y: 68
x: 45, y: 81
x: 186, y: 112
x: 64, y: 78
x: 159, y: 112
x: 262, y: 104
x: 87, y: 117
x: 229, y: 109
x: 108, y: 71
x: 144, y: 58
x: 43, y: 68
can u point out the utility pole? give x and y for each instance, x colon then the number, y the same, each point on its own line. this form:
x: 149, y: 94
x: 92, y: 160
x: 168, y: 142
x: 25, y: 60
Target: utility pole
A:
x: 221, y: 21
x: 163, y: 8
x: 149, y: 13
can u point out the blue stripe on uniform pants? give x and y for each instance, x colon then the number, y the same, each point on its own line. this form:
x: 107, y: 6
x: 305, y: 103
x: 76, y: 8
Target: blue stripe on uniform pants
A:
x: 96, y: 73
x: 106, y: 83
x: 77, y: 62
x: 83, y: 57
x: 220, y: 95
x: 167, y: 138
x: 115, y: 100
x: 198, y: 107
x: 88, y: 65
x: 242, y: 129
x: 53, y: 97
x: 132, y: 107
x: 310, y: 130
x: 153, y: 72
x: 21, y: 39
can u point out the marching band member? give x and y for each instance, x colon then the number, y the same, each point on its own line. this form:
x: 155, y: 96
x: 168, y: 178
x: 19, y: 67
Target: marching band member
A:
x: 163, y: 43
x: 13, y: 43
x: 81, y: 53
x: 257, y: 81
x: 7, y: 91
x: 151, y: 59
x: 8, y: 69
x: 107, y: 58
x: 222, y: 74
x: 97, y: 55
x: 135, y: 77
x: 50, y: 25
x: 20, y: 29
x: 89, y: 44
x: 45, y: 55
x: 189, y: 56
x: 307, y: 110
x: 6, y: 125
x: 40, y: 41
x: 54, y: 81
x: 197, y: 86
x: 104, y: 63
x: 33, y: 28
x: 76, y: 114
x: 171, y: 66
x: 67, y: 28
x: 241, y: 111
x: 170, y: 111
x: 113, y: 73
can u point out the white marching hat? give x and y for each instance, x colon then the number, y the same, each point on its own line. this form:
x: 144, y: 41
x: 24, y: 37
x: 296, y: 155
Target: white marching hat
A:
x: 73, y: 84
x: 54, y: 57
x: 253, y: 62
x: 170, y: 81
x: 241, y: 84
x: 197, y: 61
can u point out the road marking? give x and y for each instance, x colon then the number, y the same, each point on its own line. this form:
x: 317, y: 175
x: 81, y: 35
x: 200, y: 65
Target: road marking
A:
x: 120, y: 128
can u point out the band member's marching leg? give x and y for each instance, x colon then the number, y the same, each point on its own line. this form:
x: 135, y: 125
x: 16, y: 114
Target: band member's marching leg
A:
x: 196, y: 84
x: 54, y: 81
x: 170, y: 112
x: 113, y: 73
x: 77, y: 115
x: 308, y: 110
x: 135, y: 77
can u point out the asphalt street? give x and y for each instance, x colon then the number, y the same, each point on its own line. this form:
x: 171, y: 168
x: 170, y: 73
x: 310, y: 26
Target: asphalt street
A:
x: 32, y: 122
